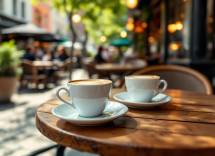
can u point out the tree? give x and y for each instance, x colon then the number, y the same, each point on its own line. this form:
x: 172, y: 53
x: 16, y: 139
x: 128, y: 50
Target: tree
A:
x: 100, y: 17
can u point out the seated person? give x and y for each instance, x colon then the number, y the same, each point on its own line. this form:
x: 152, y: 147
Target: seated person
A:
x: 106, y: 55
x: 62, y: 54
x: 98, y: 58
x: 38, y: 54
x: 48, y: 56
x: 29, y: 55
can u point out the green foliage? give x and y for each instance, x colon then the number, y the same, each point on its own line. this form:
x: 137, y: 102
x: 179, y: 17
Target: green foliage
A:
x: 116, y: 56
x: 10, y: 59
x: 91, y: 54
x: 100, y: 17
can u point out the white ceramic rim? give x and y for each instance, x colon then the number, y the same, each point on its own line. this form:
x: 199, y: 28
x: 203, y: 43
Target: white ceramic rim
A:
x: 89, y: 84
x: 90, y: 119
x: 141, y: 103
x: 129, y: 77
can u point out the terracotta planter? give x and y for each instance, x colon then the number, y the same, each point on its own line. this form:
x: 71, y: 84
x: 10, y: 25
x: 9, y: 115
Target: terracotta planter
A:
x: 8, y: 86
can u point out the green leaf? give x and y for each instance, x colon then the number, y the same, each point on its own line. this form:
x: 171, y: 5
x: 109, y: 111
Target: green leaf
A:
x: 10, y: 59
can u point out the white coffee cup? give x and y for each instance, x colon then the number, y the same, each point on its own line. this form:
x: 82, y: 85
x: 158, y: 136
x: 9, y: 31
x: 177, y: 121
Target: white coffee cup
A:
x: 142, y: 88
x: 89, y: 96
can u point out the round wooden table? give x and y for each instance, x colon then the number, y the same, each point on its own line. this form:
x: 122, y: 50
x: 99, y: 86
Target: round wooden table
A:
x: 183, y: 127
x: 115, y: 68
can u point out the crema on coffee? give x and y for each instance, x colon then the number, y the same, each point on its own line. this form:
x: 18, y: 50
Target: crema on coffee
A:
x: 143, y: 76
x: 90, y: 82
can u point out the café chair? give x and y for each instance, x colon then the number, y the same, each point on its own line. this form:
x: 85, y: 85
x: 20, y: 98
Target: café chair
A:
x: 92, y: 71
x: 62, y: 70
x: 31, y: 74
x: 179, y: 77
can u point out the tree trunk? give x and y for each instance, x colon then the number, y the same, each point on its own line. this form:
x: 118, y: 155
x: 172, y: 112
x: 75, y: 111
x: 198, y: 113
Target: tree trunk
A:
x: 73, y: 38
x: 85, y: 42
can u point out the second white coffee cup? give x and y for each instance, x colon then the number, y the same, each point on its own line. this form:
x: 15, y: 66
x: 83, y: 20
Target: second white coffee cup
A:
x: 142, y: 88
x: 89, y: 96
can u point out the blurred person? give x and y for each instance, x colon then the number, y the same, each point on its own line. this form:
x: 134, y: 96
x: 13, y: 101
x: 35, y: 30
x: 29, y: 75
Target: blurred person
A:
x: 106, y: 55
x: 98, y: 58
x: 48, y: 56
x: 38, y: 53
x: 62, y: 53
x: 29, y: 54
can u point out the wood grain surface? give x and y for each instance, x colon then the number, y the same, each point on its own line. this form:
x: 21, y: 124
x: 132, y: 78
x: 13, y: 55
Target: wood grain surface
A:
x: 185, y: 126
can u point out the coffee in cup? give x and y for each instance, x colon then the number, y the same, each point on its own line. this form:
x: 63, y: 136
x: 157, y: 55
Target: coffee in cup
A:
x: 142, y: 88
x: 89, y: 96
x: 90, y: 82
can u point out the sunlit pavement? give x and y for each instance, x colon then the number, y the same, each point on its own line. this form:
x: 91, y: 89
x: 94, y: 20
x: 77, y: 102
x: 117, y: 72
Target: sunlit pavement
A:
x: 19, y: 135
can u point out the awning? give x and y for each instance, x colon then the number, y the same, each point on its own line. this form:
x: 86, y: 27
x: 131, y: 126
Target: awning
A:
x: 121, y: 42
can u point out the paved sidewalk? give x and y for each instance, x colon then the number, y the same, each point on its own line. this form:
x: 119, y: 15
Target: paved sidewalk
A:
x: 19, y: 135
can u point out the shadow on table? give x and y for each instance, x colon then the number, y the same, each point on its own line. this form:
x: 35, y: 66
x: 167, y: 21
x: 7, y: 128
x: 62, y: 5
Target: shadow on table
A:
x: 119, y: 127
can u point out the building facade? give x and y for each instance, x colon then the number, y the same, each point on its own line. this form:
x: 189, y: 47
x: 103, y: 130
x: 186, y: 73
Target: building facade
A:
x: 51, y: 20
x: 13, y: 12
x: 41, y: 15
x: 59, y: 23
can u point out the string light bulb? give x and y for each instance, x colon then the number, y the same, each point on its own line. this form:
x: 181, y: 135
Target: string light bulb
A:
x: 123, y: 34
x: 131, y: 3
x: 103, y: 38
x: 76, y: 18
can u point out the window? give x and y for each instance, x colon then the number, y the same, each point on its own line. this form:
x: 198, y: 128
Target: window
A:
x: 178, y: 29
x: 38, y: 18
x: 1, y: 4
x: 14, y: 7
x: 45, y: 21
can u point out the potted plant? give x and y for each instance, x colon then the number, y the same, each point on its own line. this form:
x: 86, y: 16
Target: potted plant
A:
x: 9, y: 69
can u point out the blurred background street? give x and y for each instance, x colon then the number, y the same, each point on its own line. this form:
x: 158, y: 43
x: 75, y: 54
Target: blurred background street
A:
x: 44, y: 44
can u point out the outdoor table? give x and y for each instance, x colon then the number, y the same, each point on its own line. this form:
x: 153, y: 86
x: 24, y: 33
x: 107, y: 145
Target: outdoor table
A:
x: 185, y: 126
x: 43, y: 63
x: 119, y: 69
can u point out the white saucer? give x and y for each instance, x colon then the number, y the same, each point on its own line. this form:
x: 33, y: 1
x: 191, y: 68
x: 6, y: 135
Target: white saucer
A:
x: 156, y: 101
x: 112, y: 111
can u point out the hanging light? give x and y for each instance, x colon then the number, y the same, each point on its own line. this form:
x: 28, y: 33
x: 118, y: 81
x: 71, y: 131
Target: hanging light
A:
x: 76, y: 18
x: 160, y: 30
x: 150, y: 39
x: 138, y: 27
x: 45, y: 44
x: 130, y: 26
x: 36, y: 43
x: 211, y: 19
x: 171, y: 28
x: 182, y: 15
x: 179, y: 25
x: 131, y: 3
x: 144, y: 25
x: 123, y: 34
x: 130, y: 20
x: 173, y: 46
x: 103, y: 38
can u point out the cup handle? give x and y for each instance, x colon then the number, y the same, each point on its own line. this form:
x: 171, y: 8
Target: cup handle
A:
x: 68, y: 94
x: 163, y: 89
